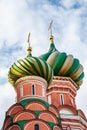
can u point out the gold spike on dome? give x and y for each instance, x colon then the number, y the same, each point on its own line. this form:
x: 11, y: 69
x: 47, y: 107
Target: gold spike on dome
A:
x: 29, y: 48
x: 51, y: 39
x: 50, y: 30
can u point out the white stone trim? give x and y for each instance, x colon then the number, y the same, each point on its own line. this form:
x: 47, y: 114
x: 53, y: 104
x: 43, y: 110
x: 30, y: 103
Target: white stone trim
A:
x: 48, y: 93
x: 13, y: 126
x: 13, y: 109
x: 28, y: 97
x: 37, y: 78
x: 73, y: 125
x: 59, y: 78
x: 79, y: 118
x: 43, y: 91
x: 49, y: 99
x: 61, y: 86
x: 46, y: 114
x: 28, y: 113
x: 39, y: 105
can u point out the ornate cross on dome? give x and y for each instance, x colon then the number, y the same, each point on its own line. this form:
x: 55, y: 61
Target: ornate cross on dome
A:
x: 50, y: 30
x: 28, y: 39
x: 50, y: 27
x: 29, y: 48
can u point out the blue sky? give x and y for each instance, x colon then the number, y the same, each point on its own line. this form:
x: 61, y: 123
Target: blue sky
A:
x: 18, y: 18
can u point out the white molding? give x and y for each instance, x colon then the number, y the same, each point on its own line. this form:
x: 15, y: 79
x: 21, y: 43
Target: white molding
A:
x: 78, y: 118
x: 31, y: 78
x: 61, y: 86
x: 43, y: 91
x: 48, y: 93
x: 49, y: 99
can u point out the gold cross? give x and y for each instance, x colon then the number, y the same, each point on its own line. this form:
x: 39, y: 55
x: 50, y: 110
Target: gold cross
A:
x: 28, y: 39
x: 50, y: 27
x: 29, y: 48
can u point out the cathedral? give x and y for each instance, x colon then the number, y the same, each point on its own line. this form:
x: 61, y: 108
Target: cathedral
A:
x: 46, y: 88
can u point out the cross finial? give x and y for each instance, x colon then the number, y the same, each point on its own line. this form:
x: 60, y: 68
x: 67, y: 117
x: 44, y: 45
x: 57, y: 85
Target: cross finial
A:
x: 50, y: 27
x: 50, y: 30
x: 28, y: 39
x: 29, y: 48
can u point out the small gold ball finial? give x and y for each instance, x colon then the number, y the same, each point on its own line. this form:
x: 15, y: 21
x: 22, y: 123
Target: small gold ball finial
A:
x: 51, y: 39
x: 50, y: 30
x: 29, y: 48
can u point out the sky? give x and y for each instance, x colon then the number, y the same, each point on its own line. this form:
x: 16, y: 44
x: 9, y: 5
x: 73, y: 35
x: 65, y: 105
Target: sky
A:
x: 19, y: 17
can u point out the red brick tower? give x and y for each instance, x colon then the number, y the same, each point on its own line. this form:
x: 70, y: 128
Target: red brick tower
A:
x: 46, y: 88
x: 31, y: 77
x: 61, y: 93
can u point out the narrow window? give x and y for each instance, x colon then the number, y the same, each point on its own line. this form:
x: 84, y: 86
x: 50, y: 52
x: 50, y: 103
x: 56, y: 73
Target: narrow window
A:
x: 33, y: 89
x: 36, y: 127
x: 21, y: 91
x: 61, y: 99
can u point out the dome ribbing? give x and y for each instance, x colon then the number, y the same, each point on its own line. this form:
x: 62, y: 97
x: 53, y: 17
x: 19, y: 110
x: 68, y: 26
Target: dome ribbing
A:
x: 64, y: 65
x: 30, y: 66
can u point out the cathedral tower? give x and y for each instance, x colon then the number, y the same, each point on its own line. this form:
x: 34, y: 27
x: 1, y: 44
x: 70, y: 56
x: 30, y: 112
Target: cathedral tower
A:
x: 46, y: 88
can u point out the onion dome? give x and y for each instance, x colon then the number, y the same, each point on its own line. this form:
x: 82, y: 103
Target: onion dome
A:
x: 30, y: 66
x: 63, y: 64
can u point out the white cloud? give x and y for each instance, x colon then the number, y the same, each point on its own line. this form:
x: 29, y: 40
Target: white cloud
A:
x: 4, y: 72
x: 18, y: 18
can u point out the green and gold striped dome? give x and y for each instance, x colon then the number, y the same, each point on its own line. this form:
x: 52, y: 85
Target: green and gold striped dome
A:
x: 30, y: 66
x: 63, y: 64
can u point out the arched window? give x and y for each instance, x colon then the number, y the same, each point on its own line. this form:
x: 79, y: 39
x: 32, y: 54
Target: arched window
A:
x: 33, y: 89
x: 36, y: 127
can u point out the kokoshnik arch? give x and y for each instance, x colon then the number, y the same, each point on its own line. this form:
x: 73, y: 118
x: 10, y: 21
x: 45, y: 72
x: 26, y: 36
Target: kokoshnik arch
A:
x: 46, y: 88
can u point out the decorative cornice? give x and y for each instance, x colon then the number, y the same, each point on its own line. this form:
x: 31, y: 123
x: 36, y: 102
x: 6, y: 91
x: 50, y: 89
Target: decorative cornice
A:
x: 65, y: 79
x: 30, y: 78
x: 78, y: 118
